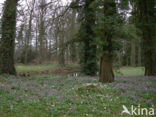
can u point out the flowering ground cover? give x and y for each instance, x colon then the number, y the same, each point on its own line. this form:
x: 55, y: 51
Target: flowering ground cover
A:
x: 71, y: 96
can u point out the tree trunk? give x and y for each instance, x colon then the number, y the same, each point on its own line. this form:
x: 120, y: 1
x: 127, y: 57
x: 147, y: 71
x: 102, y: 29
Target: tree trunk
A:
x: 133, y: 53
x: 89, y: 62
x: 147, y: 18
x: 119, y: 59
x: 56, y: 45
x: 139, y: 54
x: 20, y: 36
x: 61, y: 51
x: 106, y: 71
x: 8, y: 38
x: 28, y: 37
x: 41, y: 39
x: 72, y: 52
x: 72, y: 46
x: 41, y: 36
x: 36, y: 37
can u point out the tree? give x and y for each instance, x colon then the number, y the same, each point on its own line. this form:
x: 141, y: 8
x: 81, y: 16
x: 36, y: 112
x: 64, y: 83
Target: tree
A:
x: 86, y: 35
x: 28, y: 33
x: 61, y: 42
x: 8, y: 38
x: 146, y: 13
x: 106, y: 71
x: 43, y: 11
x: 109, y: 33
x: 72, y: 47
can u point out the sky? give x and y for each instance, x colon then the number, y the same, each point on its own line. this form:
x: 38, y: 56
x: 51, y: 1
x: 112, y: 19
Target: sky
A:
x: 65, y: 1
x: 2, y: 1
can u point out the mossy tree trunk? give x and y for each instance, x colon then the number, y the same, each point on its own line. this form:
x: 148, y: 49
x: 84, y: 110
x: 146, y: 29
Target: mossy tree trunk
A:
x: 148, y: 22
x: 106, y: 70
x: 8, y: 38
x: 89, y: 62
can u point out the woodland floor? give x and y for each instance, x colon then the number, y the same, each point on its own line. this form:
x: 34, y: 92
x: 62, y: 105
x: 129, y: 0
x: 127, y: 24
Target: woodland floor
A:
x: 51, y: 95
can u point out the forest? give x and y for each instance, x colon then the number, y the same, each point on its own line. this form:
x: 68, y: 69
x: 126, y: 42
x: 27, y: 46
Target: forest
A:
x: 77, y: 58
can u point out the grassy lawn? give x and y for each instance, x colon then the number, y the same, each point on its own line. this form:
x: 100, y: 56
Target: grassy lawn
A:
x: 30, y: 68
x: 62, y: 96
x: 130, y: 71
x: 123, y: 71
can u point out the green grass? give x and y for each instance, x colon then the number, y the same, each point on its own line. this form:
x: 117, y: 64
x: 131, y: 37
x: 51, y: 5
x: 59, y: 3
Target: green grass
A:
x: 29, y: 68
x: 123, y: 71
x: 130, y: 71
x: 62, y: 96
x: 55, y: 96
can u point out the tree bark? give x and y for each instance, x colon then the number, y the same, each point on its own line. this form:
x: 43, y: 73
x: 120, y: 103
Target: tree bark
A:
x: 8, y: 38
x: 28, y: 36
x: 89, y: 64
x: 133, y: 53
x: 61, y: 49
x: 139, y: 54
x: 119, y: 59
x: 106, y: 70
x: 72, y: 46
x: 147, y: 18
x: 41, y: 38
